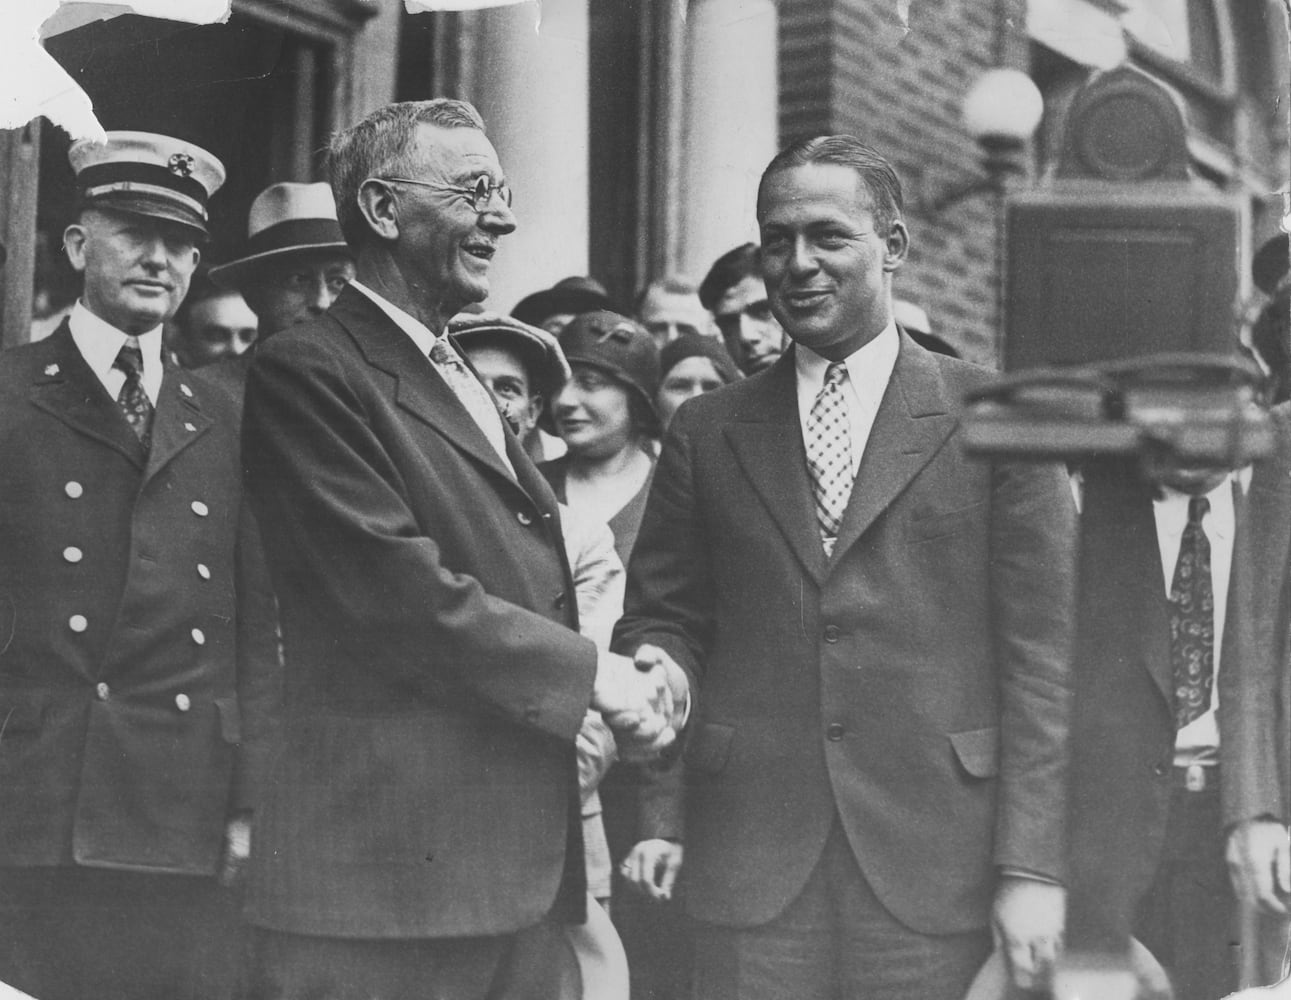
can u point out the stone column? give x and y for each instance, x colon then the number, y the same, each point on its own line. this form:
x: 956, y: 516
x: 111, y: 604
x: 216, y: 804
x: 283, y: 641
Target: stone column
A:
x: 731, y: 102
x: 528, y: 78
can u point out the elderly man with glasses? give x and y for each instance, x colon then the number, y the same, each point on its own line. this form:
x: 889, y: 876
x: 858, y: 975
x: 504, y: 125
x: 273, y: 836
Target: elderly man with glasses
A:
x: 422, y: 835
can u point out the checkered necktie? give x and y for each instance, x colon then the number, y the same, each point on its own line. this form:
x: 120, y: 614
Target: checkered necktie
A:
x: 132, y: 399
x: 829, y: 453
x: 469, y: 390
x: 1192, y: 620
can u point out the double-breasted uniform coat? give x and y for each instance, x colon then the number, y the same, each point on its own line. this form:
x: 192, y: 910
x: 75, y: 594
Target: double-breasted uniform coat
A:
x: 138, y: 661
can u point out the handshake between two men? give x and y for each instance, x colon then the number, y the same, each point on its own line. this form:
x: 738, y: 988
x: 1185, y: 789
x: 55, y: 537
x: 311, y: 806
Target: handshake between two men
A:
x: 645, y: 700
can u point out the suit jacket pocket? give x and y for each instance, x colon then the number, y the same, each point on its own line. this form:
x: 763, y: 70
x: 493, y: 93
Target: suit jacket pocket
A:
x: 978, y: 751
x: 708, y: 747
x: 923, y: 529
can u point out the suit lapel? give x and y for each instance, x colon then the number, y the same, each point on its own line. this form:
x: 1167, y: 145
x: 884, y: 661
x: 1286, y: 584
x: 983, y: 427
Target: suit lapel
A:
x: 419, y: 388
x: 68, y: 390
x: 914, y: 419
x: 177, y: 422
x: 769, y: 449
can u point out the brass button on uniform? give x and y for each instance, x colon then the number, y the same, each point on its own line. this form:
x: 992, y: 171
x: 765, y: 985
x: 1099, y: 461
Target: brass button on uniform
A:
x: 78, y: 623
x: 834, y: 731
x: 199, y: 637
x: 102, y: 691
x: 199, y: 508
x: 72, y: 554
x: 204, y: 571
x: 74, y: 489
x: 524, y: 517
x: 182, y: 702
x: 832, y: 632
x: 189, y: 426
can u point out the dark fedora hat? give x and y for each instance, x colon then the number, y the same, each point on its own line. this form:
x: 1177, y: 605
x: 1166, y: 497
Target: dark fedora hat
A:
x: 285, y: 218
x: 576, y: 294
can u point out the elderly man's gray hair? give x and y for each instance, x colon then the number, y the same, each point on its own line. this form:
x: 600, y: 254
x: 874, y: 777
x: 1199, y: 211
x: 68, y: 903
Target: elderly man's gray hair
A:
x: 383, y: 144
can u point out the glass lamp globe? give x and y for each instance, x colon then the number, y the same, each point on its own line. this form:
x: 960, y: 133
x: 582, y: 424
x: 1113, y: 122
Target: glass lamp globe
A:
x: 1003, y: 104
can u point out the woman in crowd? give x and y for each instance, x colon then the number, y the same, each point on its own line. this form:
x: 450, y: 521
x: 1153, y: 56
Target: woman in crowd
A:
x: 691, y: 365
x: 606, y: 416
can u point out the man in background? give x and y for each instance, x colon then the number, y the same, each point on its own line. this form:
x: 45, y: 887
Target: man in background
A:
x: 669, y: 308
x: 733, y: 291
x: 213, y: 324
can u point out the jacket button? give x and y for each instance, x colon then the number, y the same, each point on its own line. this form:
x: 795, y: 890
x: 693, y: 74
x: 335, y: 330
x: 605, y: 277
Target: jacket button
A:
x: 1161, y: 770
x: 189, y: 426
x: 72, y: 554
x: 182, y: 702
x: 524, y: 517
x: 74, y: 489
x: 199, y: 637
x: 832, y: 633
x: 78, y: 623
x: 834, y: 731
x: 199, y: 508
x: 102, y: 691
x: 204, y: 571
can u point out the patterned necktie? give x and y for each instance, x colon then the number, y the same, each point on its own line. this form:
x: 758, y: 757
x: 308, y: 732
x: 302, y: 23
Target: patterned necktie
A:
x: 472, y: 394
x: 132, y: 399
x: 829, y: 453
x: 1192, y: 620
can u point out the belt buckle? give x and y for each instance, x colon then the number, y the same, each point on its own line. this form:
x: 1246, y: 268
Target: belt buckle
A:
x: 1194, y: 778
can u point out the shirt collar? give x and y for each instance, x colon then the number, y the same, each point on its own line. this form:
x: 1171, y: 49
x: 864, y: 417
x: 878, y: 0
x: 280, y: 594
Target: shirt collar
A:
x: 100, y: 342
x: 869, y: 368
x: 420, y: 333
x: 1219, y: 521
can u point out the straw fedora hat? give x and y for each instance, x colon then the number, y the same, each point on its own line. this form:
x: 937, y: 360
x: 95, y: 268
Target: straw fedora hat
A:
x: 285, y: 218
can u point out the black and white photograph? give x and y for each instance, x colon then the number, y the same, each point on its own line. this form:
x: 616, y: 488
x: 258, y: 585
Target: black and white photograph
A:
x: 645, y: 500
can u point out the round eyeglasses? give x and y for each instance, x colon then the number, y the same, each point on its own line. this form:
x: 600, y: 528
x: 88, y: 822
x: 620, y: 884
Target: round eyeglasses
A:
x: 479, y: 194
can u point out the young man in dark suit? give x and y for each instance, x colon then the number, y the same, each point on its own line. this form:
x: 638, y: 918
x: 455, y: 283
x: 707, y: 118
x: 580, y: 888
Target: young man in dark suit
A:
x: 878, y: 630
x: 138, y: 667
x: 422, y: 826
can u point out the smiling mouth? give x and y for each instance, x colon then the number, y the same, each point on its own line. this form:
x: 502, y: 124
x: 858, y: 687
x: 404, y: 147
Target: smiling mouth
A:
x: 806, y: 297
x: 481, y: 251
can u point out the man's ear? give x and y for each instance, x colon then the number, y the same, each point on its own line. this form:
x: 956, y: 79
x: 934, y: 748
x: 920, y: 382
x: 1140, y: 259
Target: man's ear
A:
x: 536, y: 404
x: 379, y: 209
x: 896, y: 247
x: 74, y: 240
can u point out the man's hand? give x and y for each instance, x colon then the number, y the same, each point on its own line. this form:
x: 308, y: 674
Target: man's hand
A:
x: 1259, y: 863
x: 1027, y: 923
x: 237, y: 849
x: 643, y: 701
x: 652, y: 866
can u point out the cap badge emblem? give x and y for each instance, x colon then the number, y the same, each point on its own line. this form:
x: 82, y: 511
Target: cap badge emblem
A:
x: 181, y: 164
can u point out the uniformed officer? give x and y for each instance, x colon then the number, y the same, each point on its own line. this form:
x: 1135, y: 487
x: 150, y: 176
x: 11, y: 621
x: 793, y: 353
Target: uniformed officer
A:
x: 138, y: 667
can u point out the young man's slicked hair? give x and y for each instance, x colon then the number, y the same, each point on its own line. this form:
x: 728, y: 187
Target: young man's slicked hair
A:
x: 875, y: 171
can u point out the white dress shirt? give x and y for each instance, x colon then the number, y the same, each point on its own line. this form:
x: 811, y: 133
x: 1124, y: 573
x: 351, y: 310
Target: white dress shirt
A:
x: 425, y: 339
x: 100, y: 342
x: 868, y: 372
x: 1199, y: 740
